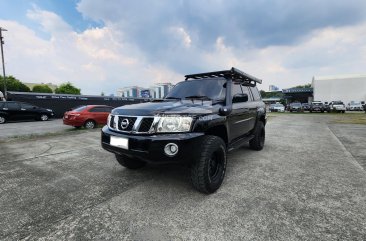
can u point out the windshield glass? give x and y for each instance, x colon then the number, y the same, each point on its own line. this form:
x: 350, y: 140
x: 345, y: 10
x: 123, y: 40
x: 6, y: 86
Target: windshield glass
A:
x: 295, y: 104
x: 212, y: 88
x: 337, y: 103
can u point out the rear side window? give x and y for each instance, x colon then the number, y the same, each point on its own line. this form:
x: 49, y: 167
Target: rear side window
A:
x: 100, y: 109
x: 13, y: 106
x: 256, y: 94
x: 27, y: 106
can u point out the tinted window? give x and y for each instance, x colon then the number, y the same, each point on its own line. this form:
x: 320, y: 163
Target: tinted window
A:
x: 1, y: 105
x: 245, y: 90
x: 13, y: 106
x: 97, y: 109
x: 256, y: 94
x: 236, y: 89
x: 26, y: 106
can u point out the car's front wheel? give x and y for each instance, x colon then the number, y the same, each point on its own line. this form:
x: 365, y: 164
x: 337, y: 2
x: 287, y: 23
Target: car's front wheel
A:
x: 130, y: 163
x: 208, y: 171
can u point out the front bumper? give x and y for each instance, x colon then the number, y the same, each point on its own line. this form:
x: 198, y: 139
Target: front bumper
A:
x: 150, y: 148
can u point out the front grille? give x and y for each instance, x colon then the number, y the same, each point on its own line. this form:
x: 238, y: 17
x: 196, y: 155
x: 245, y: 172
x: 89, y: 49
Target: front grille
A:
x: 146, y: 124
x: 131, y: 124
x: 126, y: 123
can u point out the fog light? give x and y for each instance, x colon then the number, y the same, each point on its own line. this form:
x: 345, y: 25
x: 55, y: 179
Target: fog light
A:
x: 171, y: 149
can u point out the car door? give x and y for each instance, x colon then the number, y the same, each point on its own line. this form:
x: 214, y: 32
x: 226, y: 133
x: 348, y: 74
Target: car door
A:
x: 28, y: 111
x: 240, y: 115
x: 13, y: 109
x: 99, y: 114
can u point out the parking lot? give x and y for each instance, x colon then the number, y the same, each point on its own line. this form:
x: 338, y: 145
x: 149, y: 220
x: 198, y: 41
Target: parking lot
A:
x: 308, y: 183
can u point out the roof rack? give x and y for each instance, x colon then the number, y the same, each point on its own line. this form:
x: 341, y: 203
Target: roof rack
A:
x: 236, y: 75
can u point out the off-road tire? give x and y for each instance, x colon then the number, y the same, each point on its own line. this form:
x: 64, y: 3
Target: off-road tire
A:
x: 257, y: 143
x: 208, y: 170
x: 130, y: 163
x: 89, y: 124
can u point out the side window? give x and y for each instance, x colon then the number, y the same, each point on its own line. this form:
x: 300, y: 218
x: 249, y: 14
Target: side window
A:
x: 13, y: 106
x: 26, y: 106
x: 256, y: 94
x: 246, y: 91
x: 235, y: 89
x: 95, y: 109
x: 1, y: 105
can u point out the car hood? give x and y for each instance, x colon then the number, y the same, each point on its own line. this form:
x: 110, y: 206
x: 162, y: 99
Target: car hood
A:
x: 195, y: 107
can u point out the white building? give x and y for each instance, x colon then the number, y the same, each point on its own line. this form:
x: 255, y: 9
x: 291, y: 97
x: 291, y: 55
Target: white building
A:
x: 346, y: 88
x: 156, y: 91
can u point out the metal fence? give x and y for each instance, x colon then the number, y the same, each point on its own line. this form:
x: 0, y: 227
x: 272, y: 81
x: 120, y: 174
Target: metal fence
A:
x: 60, y: 103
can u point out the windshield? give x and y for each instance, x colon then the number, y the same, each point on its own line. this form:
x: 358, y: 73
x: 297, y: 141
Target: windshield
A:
x: 211, y: 88
x: 337, y: 103
x: 317, y: 103
x: 295, y: 104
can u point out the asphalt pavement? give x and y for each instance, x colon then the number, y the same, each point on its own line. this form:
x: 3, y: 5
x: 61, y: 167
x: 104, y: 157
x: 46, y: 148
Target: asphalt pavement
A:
x: 308, y: 183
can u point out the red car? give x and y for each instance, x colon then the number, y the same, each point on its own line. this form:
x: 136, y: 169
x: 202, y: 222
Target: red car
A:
x: 88, y: 116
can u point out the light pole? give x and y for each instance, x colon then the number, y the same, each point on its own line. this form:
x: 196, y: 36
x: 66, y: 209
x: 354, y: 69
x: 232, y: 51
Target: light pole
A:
x: 2, y: 58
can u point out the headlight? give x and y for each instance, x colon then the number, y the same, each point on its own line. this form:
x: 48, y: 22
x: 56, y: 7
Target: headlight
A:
x: 174, y: 124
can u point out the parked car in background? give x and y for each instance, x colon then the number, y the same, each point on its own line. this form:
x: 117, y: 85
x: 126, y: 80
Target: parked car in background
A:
x: 355, y: 106
x: 88, y: 116
x: 326, y: 106
x: 277, y: 107
x: 305, y: 107
x: 14, y: 110
x: 296, y: 106
x: 317, y: 106
x: 336, y: 106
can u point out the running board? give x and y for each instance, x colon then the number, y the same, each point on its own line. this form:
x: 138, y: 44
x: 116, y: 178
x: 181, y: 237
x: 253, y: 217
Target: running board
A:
x: 240, y: 142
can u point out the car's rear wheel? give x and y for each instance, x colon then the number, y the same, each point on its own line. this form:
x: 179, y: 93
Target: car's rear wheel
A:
x: 2, y: 119
x: 208, y: 171
x: 43, y: 117
x: 89, y: 124
x: 130, y: 163
x: 257, y: 143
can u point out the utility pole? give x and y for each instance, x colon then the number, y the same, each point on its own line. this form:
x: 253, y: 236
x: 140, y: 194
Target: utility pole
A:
x: 2, y: 58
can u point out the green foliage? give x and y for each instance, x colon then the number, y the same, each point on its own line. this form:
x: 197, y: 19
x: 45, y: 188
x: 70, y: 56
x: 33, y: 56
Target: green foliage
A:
x: 274, y: 94
x: 67, y: 88
x: 13, y: 84
x: 42, y: 88
x: 303, y: 86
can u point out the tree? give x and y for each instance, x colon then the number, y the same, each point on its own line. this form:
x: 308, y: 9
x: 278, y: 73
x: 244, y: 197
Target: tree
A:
x: 303, y: 86
x: 42, y: 88
x: 13, y: 84
x: 67, y: 88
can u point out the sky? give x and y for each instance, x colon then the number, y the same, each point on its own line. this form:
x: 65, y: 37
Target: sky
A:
x: 101, y: 46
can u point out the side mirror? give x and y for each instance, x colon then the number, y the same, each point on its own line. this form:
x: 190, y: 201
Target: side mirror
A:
x: 240, y: 98
x: 225, y: 111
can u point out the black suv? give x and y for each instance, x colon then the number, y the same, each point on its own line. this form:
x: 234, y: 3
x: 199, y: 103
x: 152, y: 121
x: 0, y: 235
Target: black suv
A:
x: 197, y: 123
x: 13, y: 110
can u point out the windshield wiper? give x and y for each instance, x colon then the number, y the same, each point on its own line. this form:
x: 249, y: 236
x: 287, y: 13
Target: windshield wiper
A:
x: 200, y: 97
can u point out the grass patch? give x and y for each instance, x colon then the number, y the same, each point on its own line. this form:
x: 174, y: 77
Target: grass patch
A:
x: 350, y: 118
